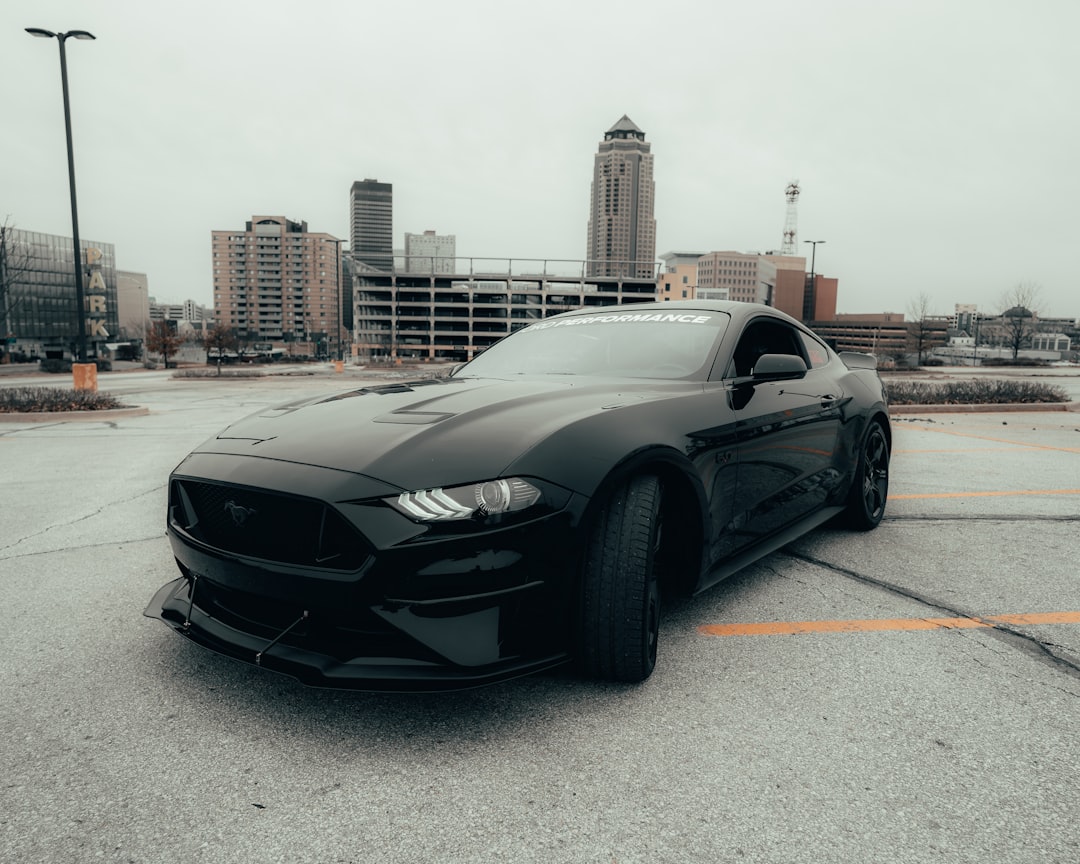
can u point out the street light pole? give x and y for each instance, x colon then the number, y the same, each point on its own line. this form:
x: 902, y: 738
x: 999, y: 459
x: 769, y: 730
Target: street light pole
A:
x: 809, y: 300
x: 340, y: 298
x: 813, y: 258
x: 80, y: 297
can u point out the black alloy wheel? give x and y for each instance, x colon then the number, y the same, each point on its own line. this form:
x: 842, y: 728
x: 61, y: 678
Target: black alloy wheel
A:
x: 870, y: 488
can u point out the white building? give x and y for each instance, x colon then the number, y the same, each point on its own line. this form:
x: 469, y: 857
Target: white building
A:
x: 430, y: 252
x: 743, y: 276
x: 132, y: 303
x: 1051, y: 342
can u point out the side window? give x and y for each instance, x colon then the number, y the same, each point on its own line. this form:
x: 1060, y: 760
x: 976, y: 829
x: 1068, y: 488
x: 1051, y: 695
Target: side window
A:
x: 817, y: 354
x: 763, y: 336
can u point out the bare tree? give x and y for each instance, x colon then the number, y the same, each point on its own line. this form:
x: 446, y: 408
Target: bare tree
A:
x: 218, y: 340
x: 14, y: 265
x: 133, y: 327
x: 1018, y: 315
x: 920, y: 335
x: 162, y: 338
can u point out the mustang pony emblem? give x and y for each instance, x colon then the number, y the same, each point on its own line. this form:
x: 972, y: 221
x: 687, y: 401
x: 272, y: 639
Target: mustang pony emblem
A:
x: 240, y: 514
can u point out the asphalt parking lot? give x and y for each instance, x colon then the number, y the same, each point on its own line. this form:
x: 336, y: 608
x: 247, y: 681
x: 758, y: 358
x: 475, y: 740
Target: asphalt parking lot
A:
x: 911, y: 694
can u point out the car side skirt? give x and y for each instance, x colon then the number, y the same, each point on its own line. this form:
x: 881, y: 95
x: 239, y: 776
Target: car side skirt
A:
x: 770, y: 544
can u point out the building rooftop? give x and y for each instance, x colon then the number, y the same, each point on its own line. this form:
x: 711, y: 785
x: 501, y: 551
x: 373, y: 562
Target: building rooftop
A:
x: 624, y: 128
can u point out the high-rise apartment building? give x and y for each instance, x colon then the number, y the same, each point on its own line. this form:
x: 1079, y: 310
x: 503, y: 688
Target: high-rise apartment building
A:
x: 275, y: 280
x: 371, y: 224
x: 622, y: 229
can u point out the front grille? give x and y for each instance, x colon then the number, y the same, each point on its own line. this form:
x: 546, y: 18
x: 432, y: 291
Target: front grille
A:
x: 267, y: 525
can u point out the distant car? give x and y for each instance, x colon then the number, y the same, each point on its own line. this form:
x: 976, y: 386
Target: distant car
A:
x: 530, y: 509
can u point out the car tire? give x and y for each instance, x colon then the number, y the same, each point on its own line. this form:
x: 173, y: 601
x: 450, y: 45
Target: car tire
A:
x: 620, y: 600
x: 870, y: 486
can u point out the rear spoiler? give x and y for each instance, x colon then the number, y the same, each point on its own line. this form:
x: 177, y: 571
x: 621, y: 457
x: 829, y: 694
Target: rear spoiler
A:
x: 858, y: 360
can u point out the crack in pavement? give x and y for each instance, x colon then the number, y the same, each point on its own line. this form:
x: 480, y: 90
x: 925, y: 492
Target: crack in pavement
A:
x: 79, y: 519
x: 1021, y: 679
x: 7, y: 433
x: 1034, y: 647
x: 106, y: 544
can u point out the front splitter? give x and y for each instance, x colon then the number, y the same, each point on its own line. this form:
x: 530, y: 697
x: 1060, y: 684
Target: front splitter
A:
x: 173, y: 605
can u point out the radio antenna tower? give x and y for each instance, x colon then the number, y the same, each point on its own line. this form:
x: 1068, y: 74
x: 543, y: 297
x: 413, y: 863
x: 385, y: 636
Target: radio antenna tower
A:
x: 791, y: 223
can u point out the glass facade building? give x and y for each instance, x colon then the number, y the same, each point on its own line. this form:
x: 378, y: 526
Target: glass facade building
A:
x: 38, y: 315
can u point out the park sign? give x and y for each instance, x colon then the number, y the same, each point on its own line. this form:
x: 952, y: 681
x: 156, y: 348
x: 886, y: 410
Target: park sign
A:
x: 95, y: 297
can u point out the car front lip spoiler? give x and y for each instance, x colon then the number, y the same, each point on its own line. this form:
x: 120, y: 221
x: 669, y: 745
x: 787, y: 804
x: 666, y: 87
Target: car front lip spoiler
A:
x: 316, y: 669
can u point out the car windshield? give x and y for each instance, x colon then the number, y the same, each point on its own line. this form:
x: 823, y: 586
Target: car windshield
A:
x: 646, y: 344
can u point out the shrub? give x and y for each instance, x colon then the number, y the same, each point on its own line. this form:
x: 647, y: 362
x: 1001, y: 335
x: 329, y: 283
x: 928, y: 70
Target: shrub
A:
x: 218, y: 373
x: 973, y: 392
x: 35, y: 399
x: 65, y: 365
x: 1019, y: 361
x: 55, y: 365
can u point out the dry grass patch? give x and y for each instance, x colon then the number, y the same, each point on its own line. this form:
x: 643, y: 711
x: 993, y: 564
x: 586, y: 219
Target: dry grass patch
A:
x: 34, y: 400
x: 972, y: 393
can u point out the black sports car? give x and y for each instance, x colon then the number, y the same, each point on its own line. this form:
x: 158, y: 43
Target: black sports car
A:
x: 529, y: 509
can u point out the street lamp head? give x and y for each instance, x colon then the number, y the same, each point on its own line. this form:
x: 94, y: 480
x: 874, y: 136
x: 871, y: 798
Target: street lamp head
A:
x: 48, y: 34
x: 815, y: 242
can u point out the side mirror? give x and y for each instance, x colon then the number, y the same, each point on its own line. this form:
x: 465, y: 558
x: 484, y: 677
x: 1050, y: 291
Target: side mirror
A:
x: 778, y: 367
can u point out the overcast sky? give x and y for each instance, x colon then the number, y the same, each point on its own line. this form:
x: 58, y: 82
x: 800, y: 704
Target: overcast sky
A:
x: 936, y: 143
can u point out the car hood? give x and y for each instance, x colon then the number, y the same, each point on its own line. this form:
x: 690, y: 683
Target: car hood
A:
x: 430, y: 433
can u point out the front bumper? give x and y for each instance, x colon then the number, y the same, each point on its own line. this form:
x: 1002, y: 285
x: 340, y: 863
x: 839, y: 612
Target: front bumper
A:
x: 317, y: 653
x: 451, y: 614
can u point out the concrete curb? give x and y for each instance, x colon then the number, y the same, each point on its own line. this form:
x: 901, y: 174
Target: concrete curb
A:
x: 63, y: 416
x: 1005, y: 408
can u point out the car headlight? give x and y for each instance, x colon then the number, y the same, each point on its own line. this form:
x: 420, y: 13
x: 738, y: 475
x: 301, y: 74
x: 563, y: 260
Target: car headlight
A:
x: 487, y: 498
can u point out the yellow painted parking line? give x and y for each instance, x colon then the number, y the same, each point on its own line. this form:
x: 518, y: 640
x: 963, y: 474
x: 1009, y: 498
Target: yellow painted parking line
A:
x: 960, y: 450
x: 1023, y: 444
x: 797, y: 628
x: 994, y: 494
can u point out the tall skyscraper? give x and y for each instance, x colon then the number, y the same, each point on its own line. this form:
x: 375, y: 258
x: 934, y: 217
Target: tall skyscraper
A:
x: 371, y: 224
x: 622, y: 230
